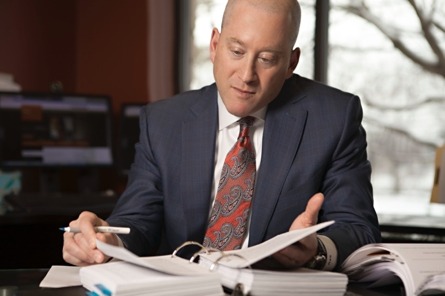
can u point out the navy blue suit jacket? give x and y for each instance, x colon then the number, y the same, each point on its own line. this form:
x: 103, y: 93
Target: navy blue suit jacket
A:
x: 313, y: 142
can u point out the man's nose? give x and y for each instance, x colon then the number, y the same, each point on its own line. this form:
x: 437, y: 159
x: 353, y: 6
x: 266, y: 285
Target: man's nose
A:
x: 248, y: 72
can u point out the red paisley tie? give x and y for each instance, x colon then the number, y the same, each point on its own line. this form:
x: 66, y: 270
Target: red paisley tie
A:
x: 227, y: 227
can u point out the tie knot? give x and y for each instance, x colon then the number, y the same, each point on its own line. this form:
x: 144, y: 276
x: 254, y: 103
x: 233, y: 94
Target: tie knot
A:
x: 245, y: 123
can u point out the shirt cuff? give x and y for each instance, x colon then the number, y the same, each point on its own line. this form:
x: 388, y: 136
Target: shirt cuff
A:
x: 331, y: 252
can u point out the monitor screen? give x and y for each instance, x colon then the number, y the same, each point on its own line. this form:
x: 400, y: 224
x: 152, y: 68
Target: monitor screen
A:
x: 128, y: 135
x: 53, y: 130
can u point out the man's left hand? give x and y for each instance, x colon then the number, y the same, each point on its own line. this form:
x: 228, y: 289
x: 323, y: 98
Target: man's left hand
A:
x: 300, y: 253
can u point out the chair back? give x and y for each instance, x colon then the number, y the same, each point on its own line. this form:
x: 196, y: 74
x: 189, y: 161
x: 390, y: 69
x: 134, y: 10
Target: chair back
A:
x: 438, y: 192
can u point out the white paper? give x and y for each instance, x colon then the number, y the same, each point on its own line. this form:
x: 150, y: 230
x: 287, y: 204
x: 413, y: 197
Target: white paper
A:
x: 60, y: 276
x: 245, y: 257
x: 166, y: 263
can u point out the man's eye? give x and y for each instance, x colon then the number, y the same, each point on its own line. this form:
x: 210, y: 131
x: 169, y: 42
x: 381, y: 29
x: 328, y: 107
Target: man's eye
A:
x: 237, y: 53
x: 266, y: 61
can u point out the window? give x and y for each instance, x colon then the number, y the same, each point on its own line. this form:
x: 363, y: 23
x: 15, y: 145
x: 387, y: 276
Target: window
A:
x: 403, y: 101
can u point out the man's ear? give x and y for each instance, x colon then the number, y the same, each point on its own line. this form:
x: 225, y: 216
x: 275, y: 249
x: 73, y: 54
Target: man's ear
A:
x: 294, y: 59
x: 214, y: 43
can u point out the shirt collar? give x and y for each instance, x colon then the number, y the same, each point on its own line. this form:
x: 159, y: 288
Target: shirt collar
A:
x: 226, y: 119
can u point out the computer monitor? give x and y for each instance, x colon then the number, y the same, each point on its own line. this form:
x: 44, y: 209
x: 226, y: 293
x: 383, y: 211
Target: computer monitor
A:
x: 51, y: 131
x: 128, y: 135
x: 55, y: 130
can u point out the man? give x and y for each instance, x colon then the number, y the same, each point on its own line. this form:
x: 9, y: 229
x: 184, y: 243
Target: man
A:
x: 309, y: 144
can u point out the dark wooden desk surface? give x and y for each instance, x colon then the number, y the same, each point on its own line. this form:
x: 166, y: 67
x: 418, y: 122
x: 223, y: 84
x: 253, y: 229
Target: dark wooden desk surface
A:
x: 412, y: 228
x: 18, y: 282
x: 25, y: 282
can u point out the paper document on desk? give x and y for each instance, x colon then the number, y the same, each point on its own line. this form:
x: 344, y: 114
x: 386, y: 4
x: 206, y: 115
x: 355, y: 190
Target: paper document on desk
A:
x: 60, y: 276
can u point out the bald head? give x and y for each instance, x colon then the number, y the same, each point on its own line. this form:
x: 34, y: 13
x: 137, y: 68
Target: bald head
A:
x: 288, y: 8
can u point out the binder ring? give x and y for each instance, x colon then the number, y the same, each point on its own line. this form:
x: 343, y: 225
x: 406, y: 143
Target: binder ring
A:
x: 202, y: 248
x: 206, y: 250
x: 187, y: 243
x: 214, y: 264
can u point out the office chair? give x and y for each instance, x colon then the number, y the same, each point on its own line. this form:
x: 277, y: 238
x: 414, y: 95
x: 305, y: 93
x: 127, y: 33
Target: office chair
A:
x: 438, y: 192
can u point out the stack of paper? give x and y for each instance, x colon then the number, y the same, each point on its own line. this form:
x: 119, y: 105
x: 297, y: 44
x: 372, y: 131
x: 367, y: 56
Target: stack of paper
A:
x: 122, y: 279
x: 160, y: 275
x: 300, y: 281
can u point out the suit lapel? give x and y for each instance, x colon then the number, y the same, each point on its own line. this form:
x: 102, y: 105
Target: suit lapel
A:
x: 283, y: 129
x: 198, y: 142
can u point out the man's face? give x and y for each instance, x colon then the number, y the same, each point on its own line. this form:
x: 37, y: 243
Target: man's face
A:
x: 252, y: 57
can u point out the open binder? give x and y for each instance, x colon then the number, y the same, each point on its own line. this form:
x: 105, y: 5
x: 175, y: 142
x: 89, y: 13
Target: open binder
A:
x: 232, y: 270
x: 420, y: 268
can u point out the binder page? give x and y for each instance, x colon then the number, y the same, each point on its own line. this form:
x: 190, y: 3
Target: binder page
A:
x: 423, y: 260
x: 433, y: 285
x: 166, y: 264
x: 245, y: 257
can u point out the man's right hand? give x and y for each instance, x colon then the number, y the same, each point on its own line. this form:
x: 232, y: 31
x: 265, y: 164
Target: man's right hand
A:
x: 80, y: 248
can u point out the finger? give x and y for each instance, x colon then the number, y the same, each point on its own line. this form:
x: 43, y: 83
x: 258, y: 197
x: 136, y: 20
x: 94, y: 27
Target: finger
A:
x: 109, y: 238
x: 310, y: 216
x: 73, y: 252
x: 295, y: 255
x: 81, y: 253
x: 80, y: 248
x: 285, y: 260
x: 86, y: 223
x: 313, y: 207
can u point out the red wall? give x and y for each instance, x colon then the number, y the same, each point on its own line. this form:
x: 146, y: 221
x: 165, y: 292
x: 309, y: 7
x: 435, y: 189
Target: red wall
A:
x: 95, y: 46
x: 112, y: 49
x: 38, y: 42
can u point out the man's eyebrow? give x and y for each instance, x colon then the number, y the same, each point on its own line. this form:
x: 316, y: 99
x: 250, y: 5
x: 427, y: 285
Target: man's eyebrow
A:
x: 231, y: 40
x: 234, y: 40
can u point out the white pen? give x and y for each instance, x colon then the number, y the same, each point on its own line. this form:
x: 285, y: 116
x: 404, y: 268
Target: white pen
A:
x: 106, y: 229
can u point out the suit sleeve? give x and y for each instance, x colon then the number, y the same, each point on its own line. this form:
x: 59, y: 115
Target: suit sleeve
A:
x: 348, y: 190
x: 141, y: 205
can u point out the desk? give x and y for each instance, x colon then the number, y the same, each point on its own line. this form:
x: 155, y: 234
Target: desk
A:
x: 25, y: 282
x: 410, y: 218
x: 408, y: 228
